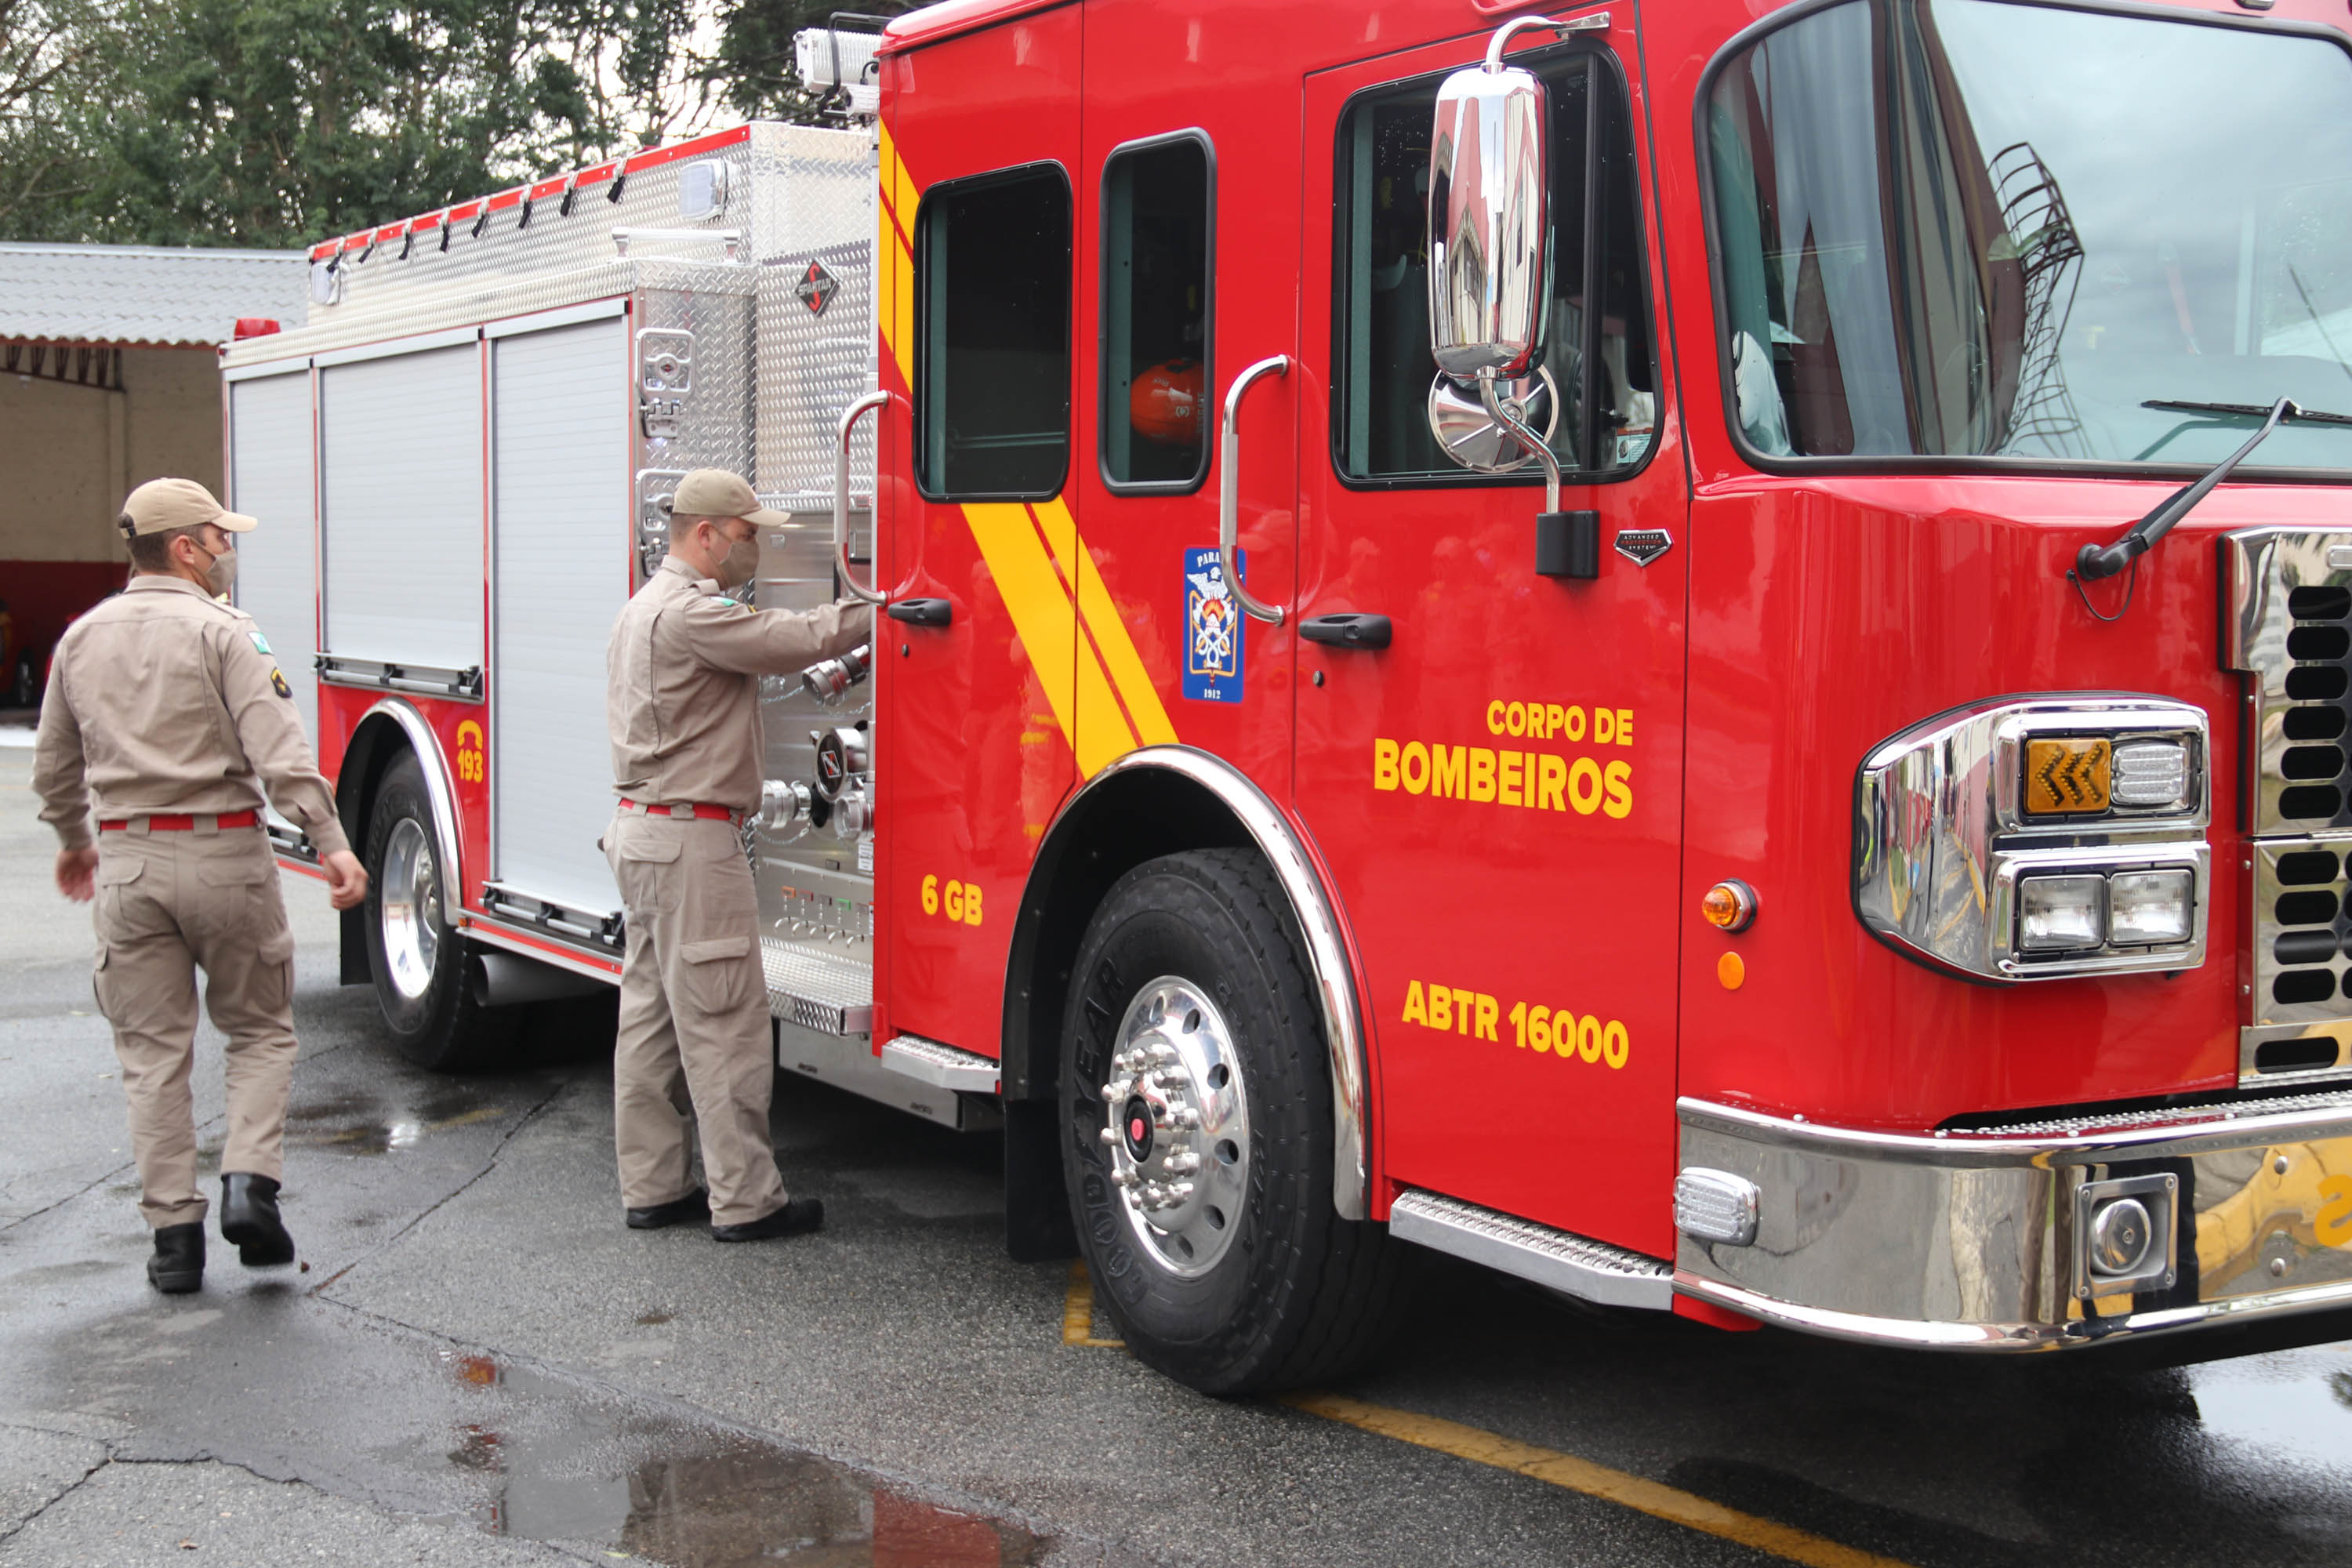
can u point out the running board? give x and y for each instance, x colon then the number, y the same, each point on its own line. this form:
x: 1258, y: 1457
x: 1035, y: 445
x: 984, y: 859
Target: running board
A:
x: 1577, y: 1265
x: 941, y: 1067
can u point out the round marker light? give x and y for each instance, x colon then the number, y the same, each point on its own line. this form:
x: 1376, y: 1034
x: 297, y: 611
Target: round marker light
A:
x: 1729, y: 906
x: 2121, y: 1234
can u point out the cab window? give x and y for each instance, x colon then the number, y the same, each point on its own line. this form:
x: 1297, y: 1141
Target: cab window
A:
x: 1157, y: 212
x: 993, y: 336
x: 1601, y: 359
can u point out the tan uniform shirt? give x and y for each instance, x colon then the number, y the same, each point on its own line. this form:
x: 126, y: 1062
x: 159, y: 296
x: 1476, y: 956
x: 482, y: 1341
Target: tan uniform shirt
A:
x: 165, y: 701
x: 682, y: 681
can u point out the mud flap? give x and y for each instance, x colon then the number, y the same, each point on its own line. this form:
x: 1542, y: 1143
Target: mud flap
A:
x: 1037, y: 1226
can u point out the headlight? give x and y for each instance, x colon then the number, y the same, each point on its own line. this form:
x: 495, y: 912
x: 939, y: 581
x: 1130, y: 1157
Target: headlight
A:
x: 2035, y: 838
x: 2061, y: 914
x: 2146, y: 908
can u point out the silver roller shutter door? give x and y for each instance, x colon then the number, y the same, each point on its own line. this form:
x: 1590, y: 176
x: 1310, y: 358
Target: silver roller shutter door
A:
x: 271, y: 469
x: 401, y: 443
x: 561, y: 409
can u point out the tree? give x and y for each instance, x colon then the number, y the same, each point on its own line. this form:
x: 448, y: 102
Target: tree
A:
x: 279, y: 123
x: 49, y: 50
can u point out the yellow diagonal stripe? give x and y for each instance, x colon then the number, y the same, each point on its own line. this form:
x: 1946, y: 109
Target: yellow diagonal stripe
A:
x: 1670, y: 1503
x: 1145, y: 711
x: 1042, y: 617
x: 1103, y: 699
x: 898, y: 197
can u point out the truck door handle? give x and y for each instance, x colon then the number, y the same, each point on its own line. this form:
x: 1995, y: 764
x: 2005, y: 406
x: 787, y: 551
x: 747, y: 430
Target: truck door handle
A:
x: 850, y: 585
x: 1347, y: 629
x: 922, y: 612
x: 1229, y: 487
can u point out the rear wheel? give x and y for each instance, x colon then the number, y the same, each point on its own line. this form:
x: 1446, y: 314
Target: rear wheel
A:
x: 1197, y: 1140
x: 417, y: 963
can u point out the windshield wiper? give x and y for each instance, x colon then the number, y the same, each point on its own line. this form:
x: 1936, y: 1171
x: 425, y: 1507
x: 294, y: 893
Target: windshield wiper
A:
x: 2098, y: 561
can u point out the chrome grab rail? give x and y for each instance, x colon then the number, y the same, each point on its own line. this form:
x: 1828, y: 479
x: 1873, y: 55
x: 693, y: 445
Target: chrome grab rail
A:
x: 849, y: 419
x: 1229, y: 487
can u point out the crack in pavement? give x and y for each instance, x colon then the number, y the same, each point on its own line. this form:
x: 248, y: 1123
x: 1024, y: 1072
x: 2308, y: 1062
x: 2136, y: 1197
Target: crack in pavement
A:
x: 421, y: 1215
x: 10, y: 1532
x: 115, y: 1458
x: 209, y: 1125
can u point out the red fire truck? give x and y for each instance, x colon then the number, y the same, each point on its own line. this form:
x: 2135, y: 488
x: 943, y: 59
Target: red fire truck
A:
x: 1699, y: 654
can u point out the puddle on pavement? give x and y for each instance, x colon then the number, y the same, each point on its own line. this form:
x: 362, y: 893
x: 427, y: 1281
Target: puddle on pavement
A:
x: 691, y: 1497
x: 359, y: 1124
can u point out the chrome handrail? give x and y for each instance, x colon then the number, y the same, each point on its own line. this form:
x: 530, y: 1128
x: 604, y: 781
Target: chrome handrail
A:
x: 1229, y: 487
x: 849, y: 419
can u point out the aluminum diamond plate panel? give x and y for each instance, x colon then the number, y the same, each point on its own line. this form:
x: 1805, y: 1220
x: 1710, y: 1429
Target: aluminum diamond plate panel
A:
x: 816, y: 358
x: 818, y: 987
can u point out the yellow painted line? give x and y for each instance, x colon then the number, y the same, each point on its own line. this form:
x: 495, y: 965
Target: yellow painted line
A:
x: 1078, y: 1313
x: 1669, y: 1503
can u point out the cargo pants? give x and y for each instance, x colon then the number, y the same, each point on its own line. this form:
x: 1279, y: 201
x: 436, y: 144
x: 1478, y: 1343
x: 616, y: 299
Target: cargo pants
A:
x: 169, y: 904
x: 694, y: 1018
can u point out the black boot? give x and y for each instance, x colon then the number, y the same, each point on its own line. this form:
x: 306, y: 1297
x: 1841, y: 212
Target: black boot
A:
x: 178, y: 1265
x: 797, y: 1217
x: 695, y: 1204
x: 249, y: 1217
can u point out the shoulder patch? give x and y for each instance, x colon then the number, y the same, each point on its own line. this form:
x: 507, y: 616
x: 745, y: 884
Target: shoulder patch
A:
x: 260, y: 643
x: 278, y: 679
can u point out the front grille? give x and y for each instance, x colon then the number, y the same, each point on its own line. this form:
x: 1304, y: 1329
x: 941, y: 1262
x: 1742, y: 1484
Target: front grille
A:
x: 2290, y: 630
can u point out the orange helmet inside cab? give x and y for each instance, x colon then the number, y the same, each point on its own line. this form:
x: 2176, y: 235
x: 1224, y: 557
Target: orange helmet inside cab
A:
x: 1164, y: 405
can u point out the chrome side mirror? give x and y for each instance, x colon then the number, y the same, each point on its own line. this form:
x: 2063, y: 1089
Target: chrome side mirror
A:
x: 1486, y: 220
x: 1488, y: 237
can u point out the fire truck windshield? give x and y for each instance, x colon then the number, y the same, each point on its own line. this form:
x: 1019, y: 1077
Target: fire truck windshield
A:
x: 1968, y: 228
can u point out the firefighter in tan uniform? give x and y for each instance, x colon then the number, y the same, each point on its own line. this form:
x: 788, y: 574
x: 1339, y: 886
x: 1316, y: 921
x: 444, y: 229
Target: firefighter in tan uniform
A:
x: 683, y: 671
x: 166, y: 712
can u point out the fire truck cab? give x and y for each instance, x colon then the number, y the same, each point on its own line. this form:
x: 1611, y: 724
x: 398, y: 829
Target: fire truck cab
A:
x: 1700, y: 655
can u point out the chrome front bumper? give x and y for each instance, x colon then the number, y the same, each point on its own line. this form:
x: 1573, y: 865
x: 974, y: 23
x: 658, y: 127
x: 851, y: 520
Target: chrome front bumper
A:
x: 1975, y: 1241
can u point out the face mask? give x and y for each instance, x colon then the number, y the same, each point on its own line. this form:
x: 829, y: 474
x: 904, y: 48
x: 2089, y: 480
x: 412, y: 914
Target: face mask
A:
x: 743, y: 561
x: 221, y: 576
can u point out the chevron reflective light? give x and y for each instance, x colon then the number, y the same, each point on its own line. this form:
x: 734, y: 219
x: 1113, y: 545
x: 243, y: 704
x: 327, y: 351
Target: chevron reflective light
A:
x: 2068, y: 776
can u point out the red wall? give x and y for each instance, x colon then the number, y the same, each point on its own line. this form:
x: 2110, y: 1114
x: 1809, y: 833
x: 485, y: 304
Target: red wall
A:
x: 44, y: 596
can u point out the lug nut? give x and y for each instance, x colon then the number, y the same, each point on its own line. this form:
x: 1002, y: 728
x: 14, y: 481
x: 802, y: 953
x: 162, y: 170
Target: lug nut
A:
x: 1112, y: 1093
x: 1181, y: 1164
x: 1188, y: 1118
x: 1109, y: 1136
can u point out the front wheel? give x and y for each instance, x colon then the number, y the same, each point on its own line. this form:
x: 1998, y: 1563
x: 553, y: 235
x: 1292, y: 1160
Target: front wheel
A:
x: 417, y: 963
x: 1198, y: 1143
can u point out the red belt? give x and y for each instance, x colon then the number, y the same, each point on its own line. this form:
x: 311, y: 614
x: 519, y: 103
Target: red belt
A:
x: 182, y: 824
x: 702, y: 809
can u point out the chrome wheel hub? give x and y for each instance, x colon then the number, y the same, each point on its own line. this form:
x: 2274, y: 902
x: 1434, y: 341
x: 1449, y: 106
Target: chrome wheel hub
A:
x: 410, y: 913
x: 1178, y: 1133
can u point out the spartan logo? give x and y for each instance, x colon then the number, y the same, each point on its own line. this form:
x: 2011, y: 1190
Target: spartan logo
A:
x: 817, y: 289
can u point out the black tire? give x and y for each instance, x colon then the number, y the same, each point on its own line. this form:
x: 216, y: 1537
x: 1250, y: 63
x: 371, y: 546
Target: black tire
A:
x: 1297, y: 1294
x: 429, y: 1008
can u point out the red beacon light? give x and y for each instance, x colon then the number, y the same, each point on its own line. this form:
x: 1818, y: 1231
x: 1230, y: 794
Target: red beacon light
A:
x: 253, y: 327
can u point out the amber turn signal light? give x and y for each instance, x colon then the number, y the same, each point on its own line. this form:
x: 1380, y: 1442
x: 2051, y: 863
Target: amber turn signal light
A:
x: 2068, y: 776
x: 1729, y: 906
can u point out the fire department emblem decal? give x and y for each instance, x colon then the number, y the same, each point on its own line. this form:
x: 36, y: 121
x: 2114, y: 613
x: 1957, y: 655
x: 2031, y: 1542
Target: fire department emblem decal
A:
x: 817, y: 289
x: 1212, y: 628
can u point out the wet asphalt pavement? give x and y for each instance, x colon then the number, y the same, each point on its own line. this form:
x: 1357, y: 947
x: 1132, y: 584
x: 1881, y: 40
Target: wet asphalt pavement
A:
x: 480, y: 1366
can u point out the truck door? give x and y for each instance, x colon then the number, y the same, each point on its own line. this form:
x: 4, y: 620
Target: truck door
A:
x: 978, y: 707
x: 1185, y: 258
x: 1496, y: 791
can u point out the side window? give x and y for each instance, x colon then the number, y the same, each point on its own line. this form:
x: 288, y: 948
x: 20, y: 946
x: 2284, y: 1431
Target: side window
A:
x: 1601, y: 360
x: 1158, y: 207
x: 993, y: 336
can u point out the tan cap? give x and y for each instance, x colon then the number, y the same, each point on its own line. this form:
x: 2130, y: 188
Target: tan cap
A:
x: 715, y: 492
x: 161, y: 505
